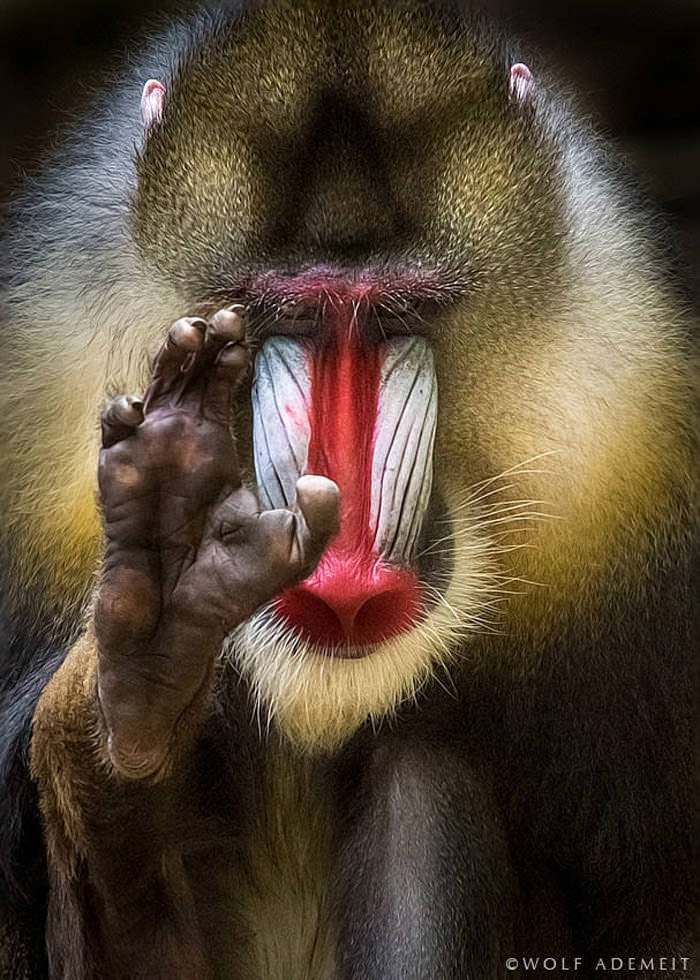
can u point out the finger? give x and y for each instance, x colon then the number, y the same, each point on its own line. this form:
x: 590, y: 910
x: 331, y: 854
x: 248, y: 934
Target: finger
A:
x: 218, y: 367
x: 185, y: 338
x: 234, y: 514
x: 119, y: 419
x: 299, y: 535
x: 231, y: 365
x: 225, y: 327
x: 317, y: 510
x: 270, y: 551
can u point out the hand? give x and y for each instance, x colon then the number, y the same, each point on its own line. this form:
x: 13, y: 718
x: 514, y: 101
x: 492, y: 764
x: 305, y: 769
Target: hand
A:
x: 188, y: 554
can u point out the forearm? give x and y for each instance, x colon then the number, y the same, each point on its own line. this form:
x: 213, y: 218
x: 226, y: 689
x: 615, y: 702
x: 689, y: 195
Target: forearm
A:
x: 109, y: 847
x: 72, y: 749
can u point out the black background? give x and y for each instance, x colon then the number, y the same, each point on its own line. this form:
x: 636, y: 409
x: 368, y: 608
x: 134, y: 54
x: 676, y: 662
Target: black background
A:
x: 636, y: 65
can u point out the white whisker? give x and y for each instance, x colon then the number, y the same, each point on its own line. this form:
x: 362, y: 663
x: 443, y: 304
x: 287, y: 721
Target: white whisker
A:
x: 318, y: 700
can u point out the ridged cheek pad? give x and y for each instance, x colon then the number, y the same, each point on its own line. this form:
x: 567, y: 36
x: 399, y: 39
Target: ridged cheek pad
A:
x: 364, y: 415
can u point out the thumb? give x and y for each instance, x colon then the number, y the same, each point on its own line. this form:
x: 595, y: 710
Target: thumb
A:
x: 317, y: 512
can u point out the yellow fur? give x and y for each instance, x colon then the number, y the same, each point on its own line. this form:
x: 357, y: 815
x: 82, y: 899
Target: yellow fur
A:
x: 566, y: 350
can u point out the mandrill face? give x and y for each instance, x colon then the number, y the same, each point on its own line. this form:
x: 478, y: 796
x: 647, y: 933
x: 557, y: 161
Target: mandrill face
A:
x: 361, y: 410
x: 346, y: 386
x: 400, y: 242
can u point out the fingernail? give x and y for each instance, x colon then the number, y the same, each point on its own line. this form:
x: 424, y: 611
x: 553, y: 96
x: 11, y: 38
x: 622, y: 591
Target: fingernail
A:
x: 188, y: 333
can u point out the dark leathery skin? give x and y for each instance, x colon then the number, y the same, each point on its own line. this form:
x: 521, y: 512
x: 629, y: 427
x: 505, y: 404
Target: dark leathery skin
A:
x: 188, y: 553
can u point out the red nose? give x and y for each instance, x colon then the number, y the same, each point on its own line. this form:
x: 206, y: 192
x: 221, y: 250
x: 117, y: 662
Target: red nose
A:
x: 352, y: 602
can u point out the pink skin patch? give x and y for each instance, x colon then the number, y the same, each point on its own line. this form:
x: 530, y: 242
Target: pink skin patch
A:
x: 353, y: 598
x: 521, y: 82
x: 152, y: 99
x: 329, y: 287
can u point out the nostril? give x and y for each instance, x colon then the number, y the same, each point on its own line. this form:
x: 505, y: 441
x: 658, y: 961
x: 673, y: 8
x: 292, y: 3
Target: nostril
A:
x: 383, y: 615
x: 314, y: 617
x: 346, y: 603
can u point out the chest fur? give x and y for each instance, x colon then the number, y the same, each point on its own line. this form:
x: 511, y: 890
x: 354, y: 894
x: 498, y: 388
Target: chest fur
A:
x: 281, y: 890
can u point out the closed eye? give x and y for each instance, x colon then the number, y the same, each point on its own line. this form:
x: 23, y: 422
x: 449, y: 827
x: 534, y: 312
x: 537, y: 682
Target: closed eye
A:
x: 377, y: 321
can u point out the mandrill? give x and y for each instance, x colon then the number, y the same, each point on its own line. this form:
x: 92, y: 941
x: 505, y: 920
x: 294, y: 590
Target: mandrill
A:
x: 354, y: 639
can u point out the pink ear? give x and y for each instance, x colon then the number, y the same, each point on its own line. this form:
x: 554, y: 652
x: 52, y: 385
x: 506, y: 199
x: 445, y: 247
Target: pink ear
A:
x: 521, y: 82
x: 152, y: 99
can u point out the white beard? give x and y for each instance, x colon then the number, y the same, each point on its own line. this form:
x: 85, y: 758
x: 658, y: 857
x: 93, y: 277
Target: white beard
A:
x: 319, y: 700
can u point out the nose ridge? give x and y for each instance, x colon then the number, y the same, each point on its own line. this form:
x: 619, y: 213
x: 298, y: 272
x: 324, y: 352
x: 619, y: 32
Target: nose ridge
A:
x: 351, y: 602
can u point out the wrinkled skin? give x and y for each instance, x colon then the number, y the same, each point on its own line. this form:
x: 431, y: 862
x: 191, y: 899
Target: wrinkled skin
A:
x: 188, y: 554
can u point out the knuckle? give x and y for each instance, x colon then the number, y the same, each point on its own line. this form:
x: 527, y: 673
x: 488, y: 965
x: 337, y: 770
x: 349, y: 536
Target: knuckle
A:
x: 239, y: 506
x: 232, y: 529
x: 127, y: 476
x: 118, y: 456
x: 114, y: 477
